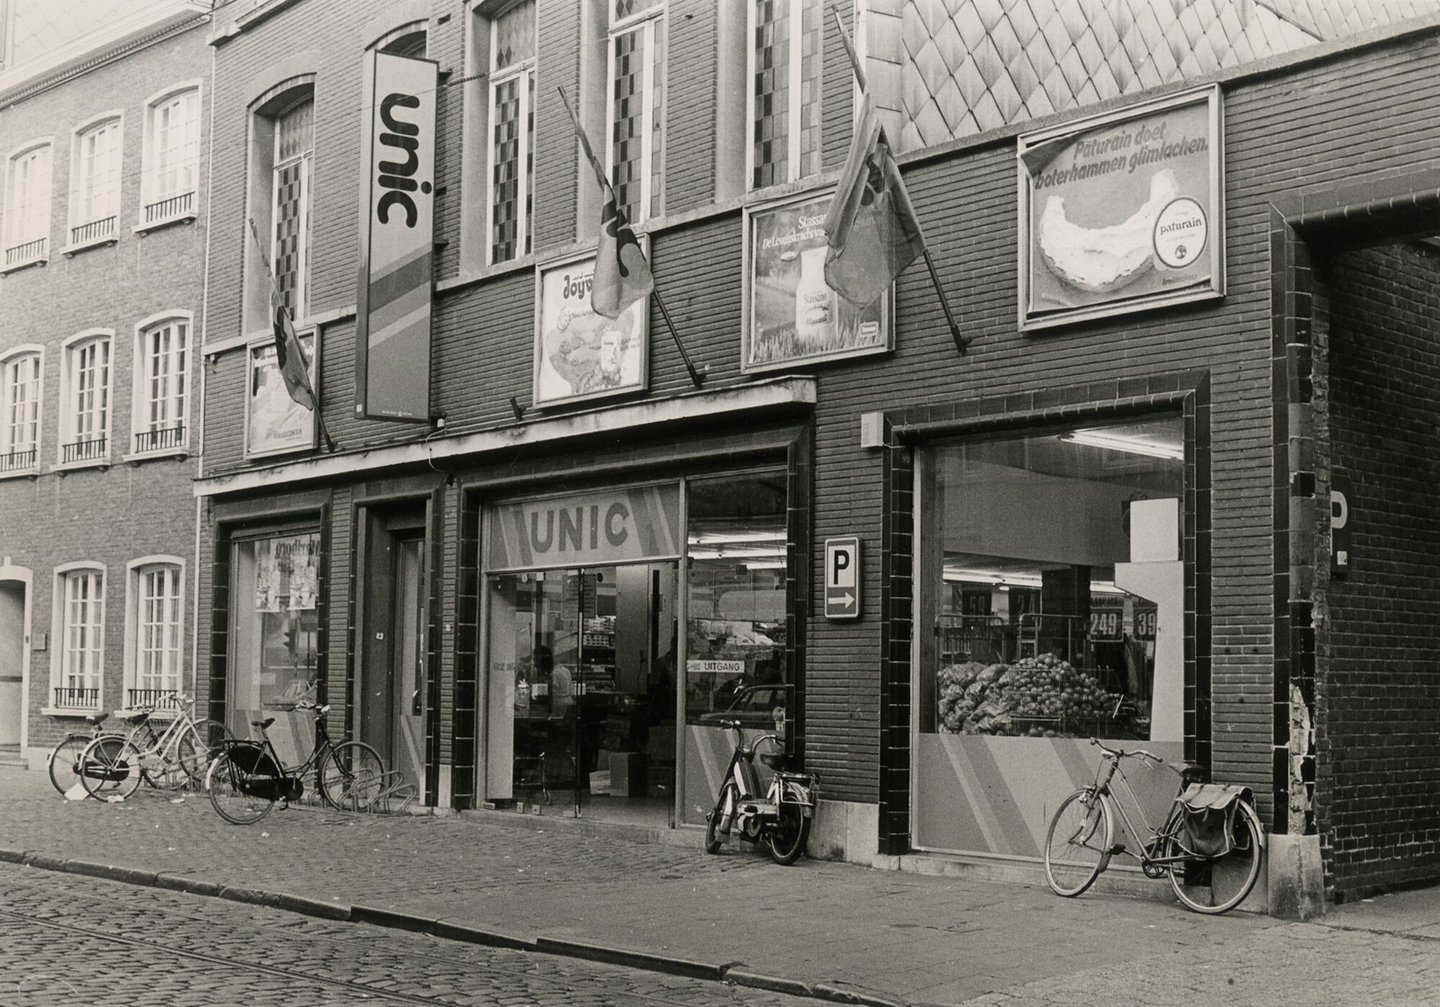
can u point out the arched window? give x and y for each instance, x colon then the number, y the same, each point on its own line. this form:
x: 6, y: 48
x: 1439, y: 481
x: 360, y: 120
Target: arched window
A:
x: 154, y: 630
x: 20, y: 411
x: 27, y: 206
x: 79, y: 667
x: 85, y: 399
x: 172, y: 156
x: 95, y: 169
x: 281, y: 196
x: 162, y: 384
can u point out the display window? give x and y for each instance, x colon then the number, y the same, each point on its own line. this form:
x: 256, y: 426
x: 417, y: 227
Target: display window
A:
x: 275, y: 637
x: 1052, y: 576
x: 734, y: 624
x: 621, y: 625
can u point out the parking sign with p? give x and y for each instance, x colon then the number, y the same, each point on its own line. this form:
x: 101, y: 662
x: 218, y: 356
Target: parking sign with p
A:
x: 842, y: 578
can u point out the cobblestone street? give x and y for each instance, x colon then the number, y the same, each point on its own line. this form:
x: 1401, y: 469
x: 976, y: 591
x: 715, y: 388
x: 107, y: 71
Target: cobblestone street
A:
x: 829, y: 930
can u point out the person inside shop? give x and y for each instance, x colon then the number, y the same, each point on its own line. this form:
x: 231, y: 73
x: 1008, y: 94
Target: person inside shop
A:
x: 562, y: 682
x: 662, y: 687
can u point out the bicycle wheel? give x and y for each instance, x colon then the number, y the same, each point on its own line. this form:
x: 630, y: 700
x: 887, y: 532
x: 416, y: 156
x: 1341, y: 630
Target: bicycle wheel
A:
x: 1219, y: 884
x: 1077, y: 846
x: 350, y: 777
x: 197, y: 747
x: 223, y: 783
x: 64, y: 761
x: 724, y: 804
x: 110, y: 768
x: 787, y: 837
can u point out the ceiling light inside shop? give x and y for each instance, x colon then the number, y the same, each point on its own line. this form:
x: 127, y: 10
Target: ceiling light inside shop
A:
x: 734, y: 537
x: 1112, y: 441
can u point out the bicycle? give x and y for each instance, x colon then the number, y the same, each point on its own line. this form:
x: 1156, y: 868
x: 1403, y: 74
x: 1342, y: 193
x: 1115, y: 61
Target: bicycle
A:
x: 1210, y: 845
x: 112, y: 766
x: 247, y: 777
x: 64, y: 761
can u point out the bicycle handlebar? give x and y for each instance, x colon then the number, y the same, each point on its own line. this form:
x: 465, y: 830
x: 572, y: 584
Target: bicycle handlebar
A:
x: 1120, y: 753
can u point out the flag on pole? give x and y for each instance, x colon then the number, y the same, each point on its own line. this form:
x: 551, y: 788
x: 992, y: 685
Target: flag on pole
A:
x: 622, y: 274
x: 290, y: 356
x: 871, y: 228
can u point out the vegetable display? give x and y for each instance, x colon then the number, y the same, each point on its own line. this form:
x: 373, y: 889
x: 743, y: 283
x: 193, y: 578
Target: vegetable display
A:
x: 1036, y: 696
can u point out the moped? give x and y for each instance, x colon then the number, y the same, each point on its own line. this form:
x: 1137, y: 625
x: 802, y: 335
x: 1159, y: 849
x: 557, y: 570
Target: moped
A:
x: 781, y: 818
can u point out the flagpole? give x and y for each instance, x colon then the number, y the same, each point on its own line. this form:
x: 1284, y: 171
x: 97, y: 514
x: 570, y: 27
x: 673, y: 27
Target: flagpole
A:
x: 280, y: 302
x: 696, y: 377
x: 962, y: 343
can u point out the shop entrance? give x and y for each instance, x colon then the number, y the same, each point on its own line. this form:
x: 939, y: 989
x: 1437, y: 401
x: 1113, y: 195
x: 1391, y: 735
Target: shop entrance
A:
x: 585, y: 659
x: 392, y: 690
x: 12, y: 664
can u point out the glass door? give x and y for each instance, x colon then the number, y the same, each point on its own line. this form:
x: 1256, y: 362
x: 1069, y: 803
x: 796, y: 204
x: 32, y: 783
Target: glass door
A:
x: 582, y: 673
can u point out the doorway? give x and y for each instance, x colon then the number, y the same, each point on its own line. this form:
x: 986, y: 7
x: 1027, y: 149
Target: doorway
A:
x: 393, y: 700
x: 583, y: 701
x: 12, y: 666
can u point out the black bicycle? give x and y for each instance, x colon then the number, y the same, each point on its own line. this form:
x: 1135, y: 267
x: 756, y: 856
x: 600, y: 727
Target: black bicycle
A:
x: 248, y: 777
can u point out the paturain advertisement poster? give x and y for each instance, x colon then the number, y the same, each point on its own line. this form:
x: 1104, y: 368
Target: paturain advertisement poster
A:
x: 792, y: 316
x: 1122, y: 212
x: 276, y: 422
x: 578, y: 353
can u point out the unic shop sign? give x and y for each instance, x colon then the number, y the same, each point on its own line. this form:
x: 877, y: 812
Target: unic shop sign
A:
x: 595, y: 529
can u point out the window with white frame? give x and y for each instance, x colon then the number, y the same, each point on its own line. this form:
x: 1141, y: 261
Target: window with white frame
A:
x: 20, y: 411
x: 511, y: 157
x: 785, y: 55
x: 162, y: 360
x: 154, y: 632
x: 95, y: 182
x: 81, y: 630
x: 635, y: 115
x: 27, y: 206
x: 85, y: 401
x: 172, y: 157
x: 290, y: 205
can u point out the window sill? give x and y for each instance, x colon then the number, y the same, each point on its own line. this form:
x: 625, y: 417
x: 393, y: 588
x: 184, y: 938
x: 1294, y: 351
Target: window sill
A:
x: 161, y: 454
x: 39, y: 260
x: 29, y: 473
x: 70, y: 250
x: 88, y: 463
x: 69, y: 711
x: 155, y: 225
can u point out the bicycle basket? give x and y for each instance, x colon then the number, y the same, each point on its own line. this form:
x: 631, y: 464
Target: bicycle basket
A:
x: 1209, y: 818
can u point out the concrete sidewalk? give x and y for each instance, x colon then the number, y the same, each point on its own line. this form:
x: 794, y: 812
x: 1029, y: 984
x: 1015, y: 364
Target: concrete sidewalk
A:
x: 829, y: 930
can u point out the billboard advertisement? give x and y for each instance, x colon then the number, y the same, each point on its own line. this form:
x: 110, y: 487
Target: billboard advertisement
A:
x: 274, y: 421
x: 580, y: 354
x: 392, y: 325
x: 791, y: 316
x: 1122, y: 212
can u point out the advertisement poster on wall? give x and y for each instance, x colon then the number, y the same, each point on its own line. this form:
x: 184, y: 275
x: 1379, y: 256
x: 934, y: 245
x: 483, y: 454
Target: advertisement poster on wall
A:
x: 578, y: 353
x: 1122, y: 212
x: 274, y: 421
x: 791, y: 316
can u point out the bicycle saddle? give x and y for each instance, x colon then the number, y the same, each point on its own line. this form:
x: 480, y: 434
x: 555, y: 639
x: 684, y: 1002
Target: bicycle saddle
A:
x: 134, y: 718
x: 96, y: 718
x: 262, y: 724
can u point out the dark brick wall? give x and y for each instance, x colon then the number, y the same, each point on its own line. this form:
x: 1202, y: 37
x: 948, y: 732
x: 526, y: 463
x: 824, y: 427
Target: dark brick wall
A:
x: 119, y: 513
x: 1379, y: 678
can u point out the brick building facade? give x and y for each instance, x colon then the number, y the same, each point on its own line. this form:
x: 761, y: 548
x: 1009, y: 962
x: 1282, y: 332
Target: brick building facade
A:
x: 101, y: 292
x: 393, y: 577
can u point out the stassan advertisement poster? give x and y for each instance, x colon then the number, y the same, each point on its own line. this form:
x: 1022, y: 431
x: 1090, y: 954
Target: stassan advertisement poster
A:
x: 578, y: 353
x: 791, y: 315
x: 1122, y: 212
x: 275, y: 421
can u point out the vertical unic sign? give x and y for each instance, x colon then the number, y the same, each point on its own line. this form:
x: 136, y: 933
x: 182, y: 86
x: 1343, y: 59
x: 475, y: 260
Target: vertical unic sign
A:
x: 397, y: 224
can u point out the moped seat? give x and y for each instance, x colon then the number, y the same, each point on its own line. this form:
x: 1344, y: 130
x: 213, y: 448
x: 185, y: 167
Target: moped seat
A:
x: 780, y: 762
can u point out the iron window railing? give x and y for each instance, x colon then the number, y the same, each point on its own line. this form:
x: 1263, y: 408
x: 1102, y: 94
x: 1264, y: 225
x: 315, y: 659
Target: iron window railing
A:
x: 87, y: 450
x: 159, y: 440
x: 68, y: 698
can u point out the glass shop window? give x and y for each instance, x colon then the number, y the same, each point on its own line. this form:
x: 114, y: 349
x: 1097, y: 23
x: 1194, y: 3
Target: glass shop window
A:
x: 1053, y: 577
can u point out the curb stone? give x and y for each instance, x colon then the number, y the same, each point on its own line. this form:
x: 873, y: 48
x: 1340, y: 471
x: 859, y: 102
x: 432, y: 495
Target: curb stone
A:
x: 12, y: 856
x: 251, y: 896
x: 633, y: 959
x: 472, y: 935
x: 188, y: 885
x: 313, y: 907
x: 839, y: 994
x: 390, y: 918
x: 111, y: 872
x: 772, y: 983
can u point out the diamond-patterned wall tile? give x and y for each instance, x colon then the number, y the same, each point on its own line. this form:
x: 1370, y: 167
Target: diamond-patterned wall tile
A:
x: 971, y: 65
